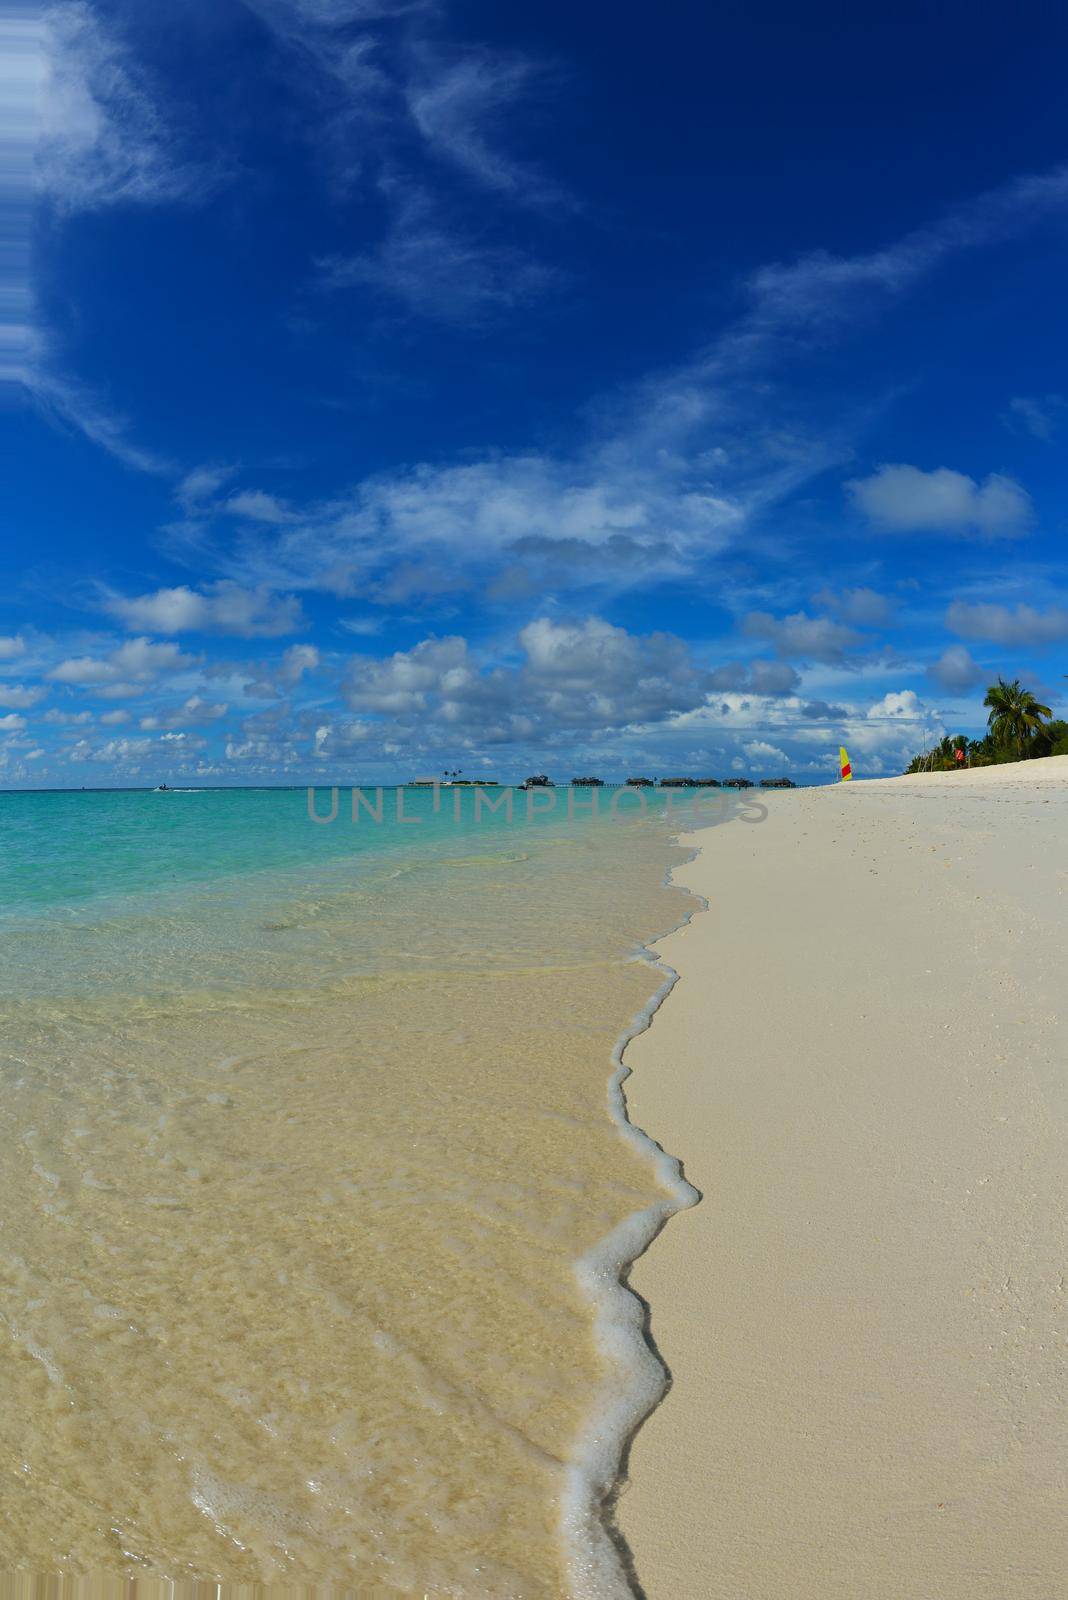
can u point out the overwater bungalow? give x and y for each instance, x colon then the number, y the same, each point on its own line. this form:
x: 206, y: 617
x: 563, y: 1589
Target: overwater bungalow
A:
x: 540, y: 780
x: 706, y: 783
x: 587, y: 783
x: 777, y: 783
x: 738, y: 783
x: 639, y: 783
x: 678, y: 783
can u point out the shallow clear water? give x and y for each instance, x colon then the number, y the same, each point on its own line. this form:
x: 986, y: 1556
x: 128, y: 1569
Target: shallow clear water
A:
x: 302, y: 1131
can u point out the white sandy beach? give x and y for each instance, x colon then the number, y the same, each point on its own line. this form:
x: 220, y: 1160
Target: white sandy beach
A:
x: 865, y: 1069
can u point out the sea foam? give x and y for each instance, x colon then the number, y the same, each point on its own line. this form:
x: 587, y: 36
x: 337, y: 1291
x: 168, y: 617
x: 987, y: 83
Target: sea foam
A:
x: 637, y: 1381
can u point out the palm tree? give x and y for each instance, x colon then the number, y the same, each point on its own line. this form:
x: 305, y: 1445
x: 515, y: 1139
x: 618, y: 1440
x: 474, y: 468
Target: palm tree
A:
x: 944, y: 755
x: 1015, y: 714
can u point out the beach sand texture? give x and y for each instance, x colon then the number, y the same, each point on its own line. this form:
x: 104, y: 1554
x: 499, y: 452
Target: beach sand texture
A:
x: 864, y: 1070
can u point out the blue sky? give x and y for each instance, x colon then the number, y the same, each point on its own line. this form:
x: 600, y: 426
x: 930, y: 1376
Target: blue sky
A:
x: 396, y: 386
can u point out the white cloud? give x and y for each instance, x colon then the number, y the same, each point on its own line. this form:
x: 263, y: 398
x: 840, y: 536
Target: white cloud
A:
x: 114, y: 719
x: 20, y: 697
x: 126, y: 669
x: 403, y: 682
x: 1011, y: 625
x: 903, y: 499
x: 772, y: 677
x: 223, y: 607
x: 296, y: 661
x: 11, y: 645
x: 760, y: 750
x: 955, y: 670
x: 71, y: 719
x: 775, y: 677
x: 201, y: 484
x: 603, y: 520
x: 586, y: 675
x: 886, y: 733
x: 192, y: 713
x: 12, y: 723
x: 118, y: 751
x: 590, y: 650
x: 863, y: 607
x: 258, y: 506
x: 1040, y: 417
x: 815, y: 638
x: 120, y: 690
x: 592, y: 673
x: 904, y: 703
x: 337, y: 739
x: 662, y: 478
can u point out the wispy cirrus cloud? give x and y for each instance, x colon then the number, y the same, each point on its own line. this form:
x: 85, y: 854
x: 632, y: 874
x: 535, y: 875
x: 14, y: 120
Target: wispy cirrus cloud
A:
x: 435, y: 269
x: 255, y: 505
x: 385, y: 69
x: 666, y: 475
x: 332, y: 14
x: 820, y: 293
x: 397, y: 107
x: 68, y: 404
x: 83, y: 131
x: 460, y: 101
x: 103, y: 138
x: 1040, y: 416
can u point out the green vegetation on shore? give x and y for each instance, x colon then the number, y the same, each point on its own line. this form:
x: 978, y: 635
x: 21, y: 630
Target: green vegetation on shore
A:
x: 1020, y: 728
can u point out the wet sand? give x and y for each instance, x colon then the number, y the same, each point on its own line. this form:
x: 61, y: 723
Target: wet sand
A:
x: 864, y: 1069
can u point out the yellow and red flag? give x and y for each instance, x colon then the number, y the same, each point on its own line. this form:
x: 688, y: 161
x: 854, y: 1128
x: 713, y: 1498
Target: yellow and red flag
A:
x: 844, y: 763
